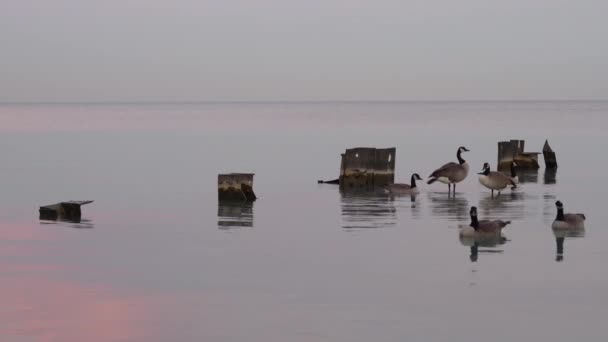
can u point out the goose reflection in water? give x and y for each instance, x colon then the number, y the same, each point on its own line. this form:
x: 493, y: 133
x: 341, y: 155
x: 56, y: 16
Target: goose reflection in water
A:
x: 488, y: 242
x: 234, y: 214
x: 512, y: 206
x: 452, y: 208
x: 367, y: 209
x: 560, y: 236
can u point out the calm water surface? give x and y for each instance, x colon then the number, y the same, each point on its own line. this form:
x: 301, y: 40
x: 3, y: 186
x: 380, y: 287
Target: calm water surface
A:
x: 156, y: 258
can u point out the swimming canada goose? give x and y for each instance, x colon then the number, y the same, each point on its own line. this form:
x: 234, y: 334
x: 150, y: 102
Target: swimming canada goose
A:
x: 400, y: 188
x: 451, y: 173
x: 514, y: 176
x: 494, y: 180
x: 567, y: 221
x: 482, y: 228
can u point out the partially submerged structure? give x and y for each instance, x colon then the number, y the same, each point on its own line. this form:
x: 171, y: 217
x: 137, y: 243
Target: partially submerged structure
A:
x: 509, y: 151
x: 69, y: 210
x: 549, y: 155
x: 367, y: 167
x: 235, y: 187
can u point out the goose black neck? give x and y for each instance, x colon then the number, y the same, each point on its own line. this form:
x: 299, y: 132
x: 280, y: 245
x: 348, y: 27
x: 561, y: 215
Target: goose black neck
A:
x: 560, y: 214
x: 474, y: 222
x: 460, y: 160
x: 413, y: 182
x: 513, y: 170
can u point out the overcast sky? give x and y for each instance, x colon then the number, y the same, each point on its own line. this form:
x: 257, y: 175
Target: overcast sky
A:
x: 196, y: 50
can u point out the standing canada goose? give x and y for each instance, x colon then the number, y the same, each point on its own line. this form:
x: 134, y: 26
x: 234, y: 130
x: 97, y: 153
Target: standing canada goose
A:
x: 567, y: 221
x: 494, y: 180
x: 514, y: 176
x: 482, y: 228
x: 451, y: 173
x: 406, y: 189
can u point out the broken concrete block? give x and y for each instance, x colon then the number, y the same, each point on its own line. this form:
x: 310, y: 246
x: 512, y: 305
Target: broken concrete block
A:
x: 235, y: 187
x: 367, y: 167
x: 69, y: 210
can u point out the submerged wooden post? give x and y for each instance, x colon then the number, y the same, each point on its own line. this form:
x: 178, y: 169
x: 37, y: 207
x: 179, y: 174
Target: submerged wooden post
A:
x: 550, y: 158
x: 367, y: 167
x: 509, y: 151
x: 69, y: 210
x: 235, y: 186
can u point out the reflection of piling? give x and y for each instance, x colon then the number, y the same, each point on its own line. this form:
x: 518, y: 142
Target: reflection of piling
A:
x: 509, y: 151
x: 549, y: 154
x: 367, y: 167
x: 234, y: 214
x: 64, y: 210
x: 550, y: 176
x: 235, y: 187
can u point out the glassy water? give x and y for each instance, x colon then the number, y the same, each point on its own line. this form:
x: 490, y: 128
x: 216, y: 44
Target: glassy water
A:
x: 156, y: 258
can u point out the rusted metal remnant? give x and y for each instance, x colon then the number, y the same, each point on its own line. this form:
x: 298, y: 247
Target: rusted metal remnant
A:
x: 235, y: 187
x: 69, y: 210
x: 550, y: 158
x: 367, y: 167
x: 509, y: 151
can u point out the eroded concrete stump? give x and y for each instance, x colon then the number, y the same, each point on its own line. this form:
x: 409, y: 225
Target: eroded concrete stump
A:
x: 509, y: 151
x: 235, y: 187
x: 69, y: 210
x: 549, y: 155
x: 367, y: 167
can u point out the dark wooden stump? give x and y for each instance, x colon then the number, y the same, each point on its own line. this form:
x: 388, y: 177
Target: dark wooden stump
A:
x: 550, y: 158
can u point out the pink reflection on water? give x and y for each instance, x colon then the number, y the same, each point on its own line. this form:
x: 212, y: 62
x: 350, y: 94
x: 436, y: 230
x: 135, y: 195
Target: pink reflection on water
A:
x: 41, y: 303
x: 45, y: 310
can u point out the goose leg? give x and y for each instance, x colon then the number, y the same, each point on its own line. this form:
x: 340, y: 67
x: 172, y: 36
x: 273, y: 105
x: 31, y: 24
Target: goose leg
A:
x: 454, y: 188
x: 492, y: 192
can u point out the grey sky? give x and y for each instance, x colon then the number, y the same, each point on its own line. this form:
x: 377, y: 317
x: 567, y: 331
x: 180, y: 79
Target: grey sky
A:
x: 176, y: 50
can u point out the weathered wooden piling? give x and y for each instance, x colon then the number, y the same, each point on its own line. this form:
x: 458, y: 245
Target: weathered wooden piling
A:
x: 367, y: 167
x: 549, y: 155
x: 509, y: 151
x: 235, y: 187
x: 69, y: 210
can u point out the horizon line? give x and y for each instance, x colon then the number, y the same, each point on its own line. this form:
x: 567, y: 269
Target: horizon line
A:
x: 169, y: 102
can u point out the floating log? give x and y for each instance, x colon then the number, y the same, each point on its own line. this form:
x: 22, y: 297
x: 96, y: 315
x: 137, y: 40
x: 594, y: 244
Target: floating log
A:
x: 69, y: 210
x: 509, y: 151
x: 367, y: 167
x: 550, y: 159
x: 235, y: 187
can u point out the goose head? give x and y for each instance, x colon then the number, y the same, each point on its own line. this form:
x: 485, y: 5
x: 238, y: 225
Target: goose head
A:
x: 559, y: 205
x: 485, y: 170
x: 416, y: 176
x: 463, y: 149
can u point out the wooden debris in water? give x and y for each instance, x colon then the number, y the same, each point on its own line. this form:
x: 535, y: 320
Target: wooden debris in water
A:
x: 550, y: 158
x: 509, y: 151
x: 69, y: 210
x: 367, y: 167
x: 235, y: 187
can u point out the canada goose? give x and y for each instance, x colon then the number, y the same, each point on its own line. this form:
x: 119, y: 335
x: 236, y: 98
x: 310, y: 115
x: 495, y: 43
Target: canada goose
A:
x: 451, y: 173
x: 514, y: 176
x: 482, y: 228
x: 567, y: 221
x: 494, y: 180
x: 400, y: 188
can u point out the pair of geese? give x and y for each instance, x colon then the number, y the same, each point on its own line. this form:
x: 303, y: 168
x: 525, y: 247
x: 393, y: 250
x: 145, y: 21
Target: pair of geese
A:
x: 452, y: 173
x: 564, y: 222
